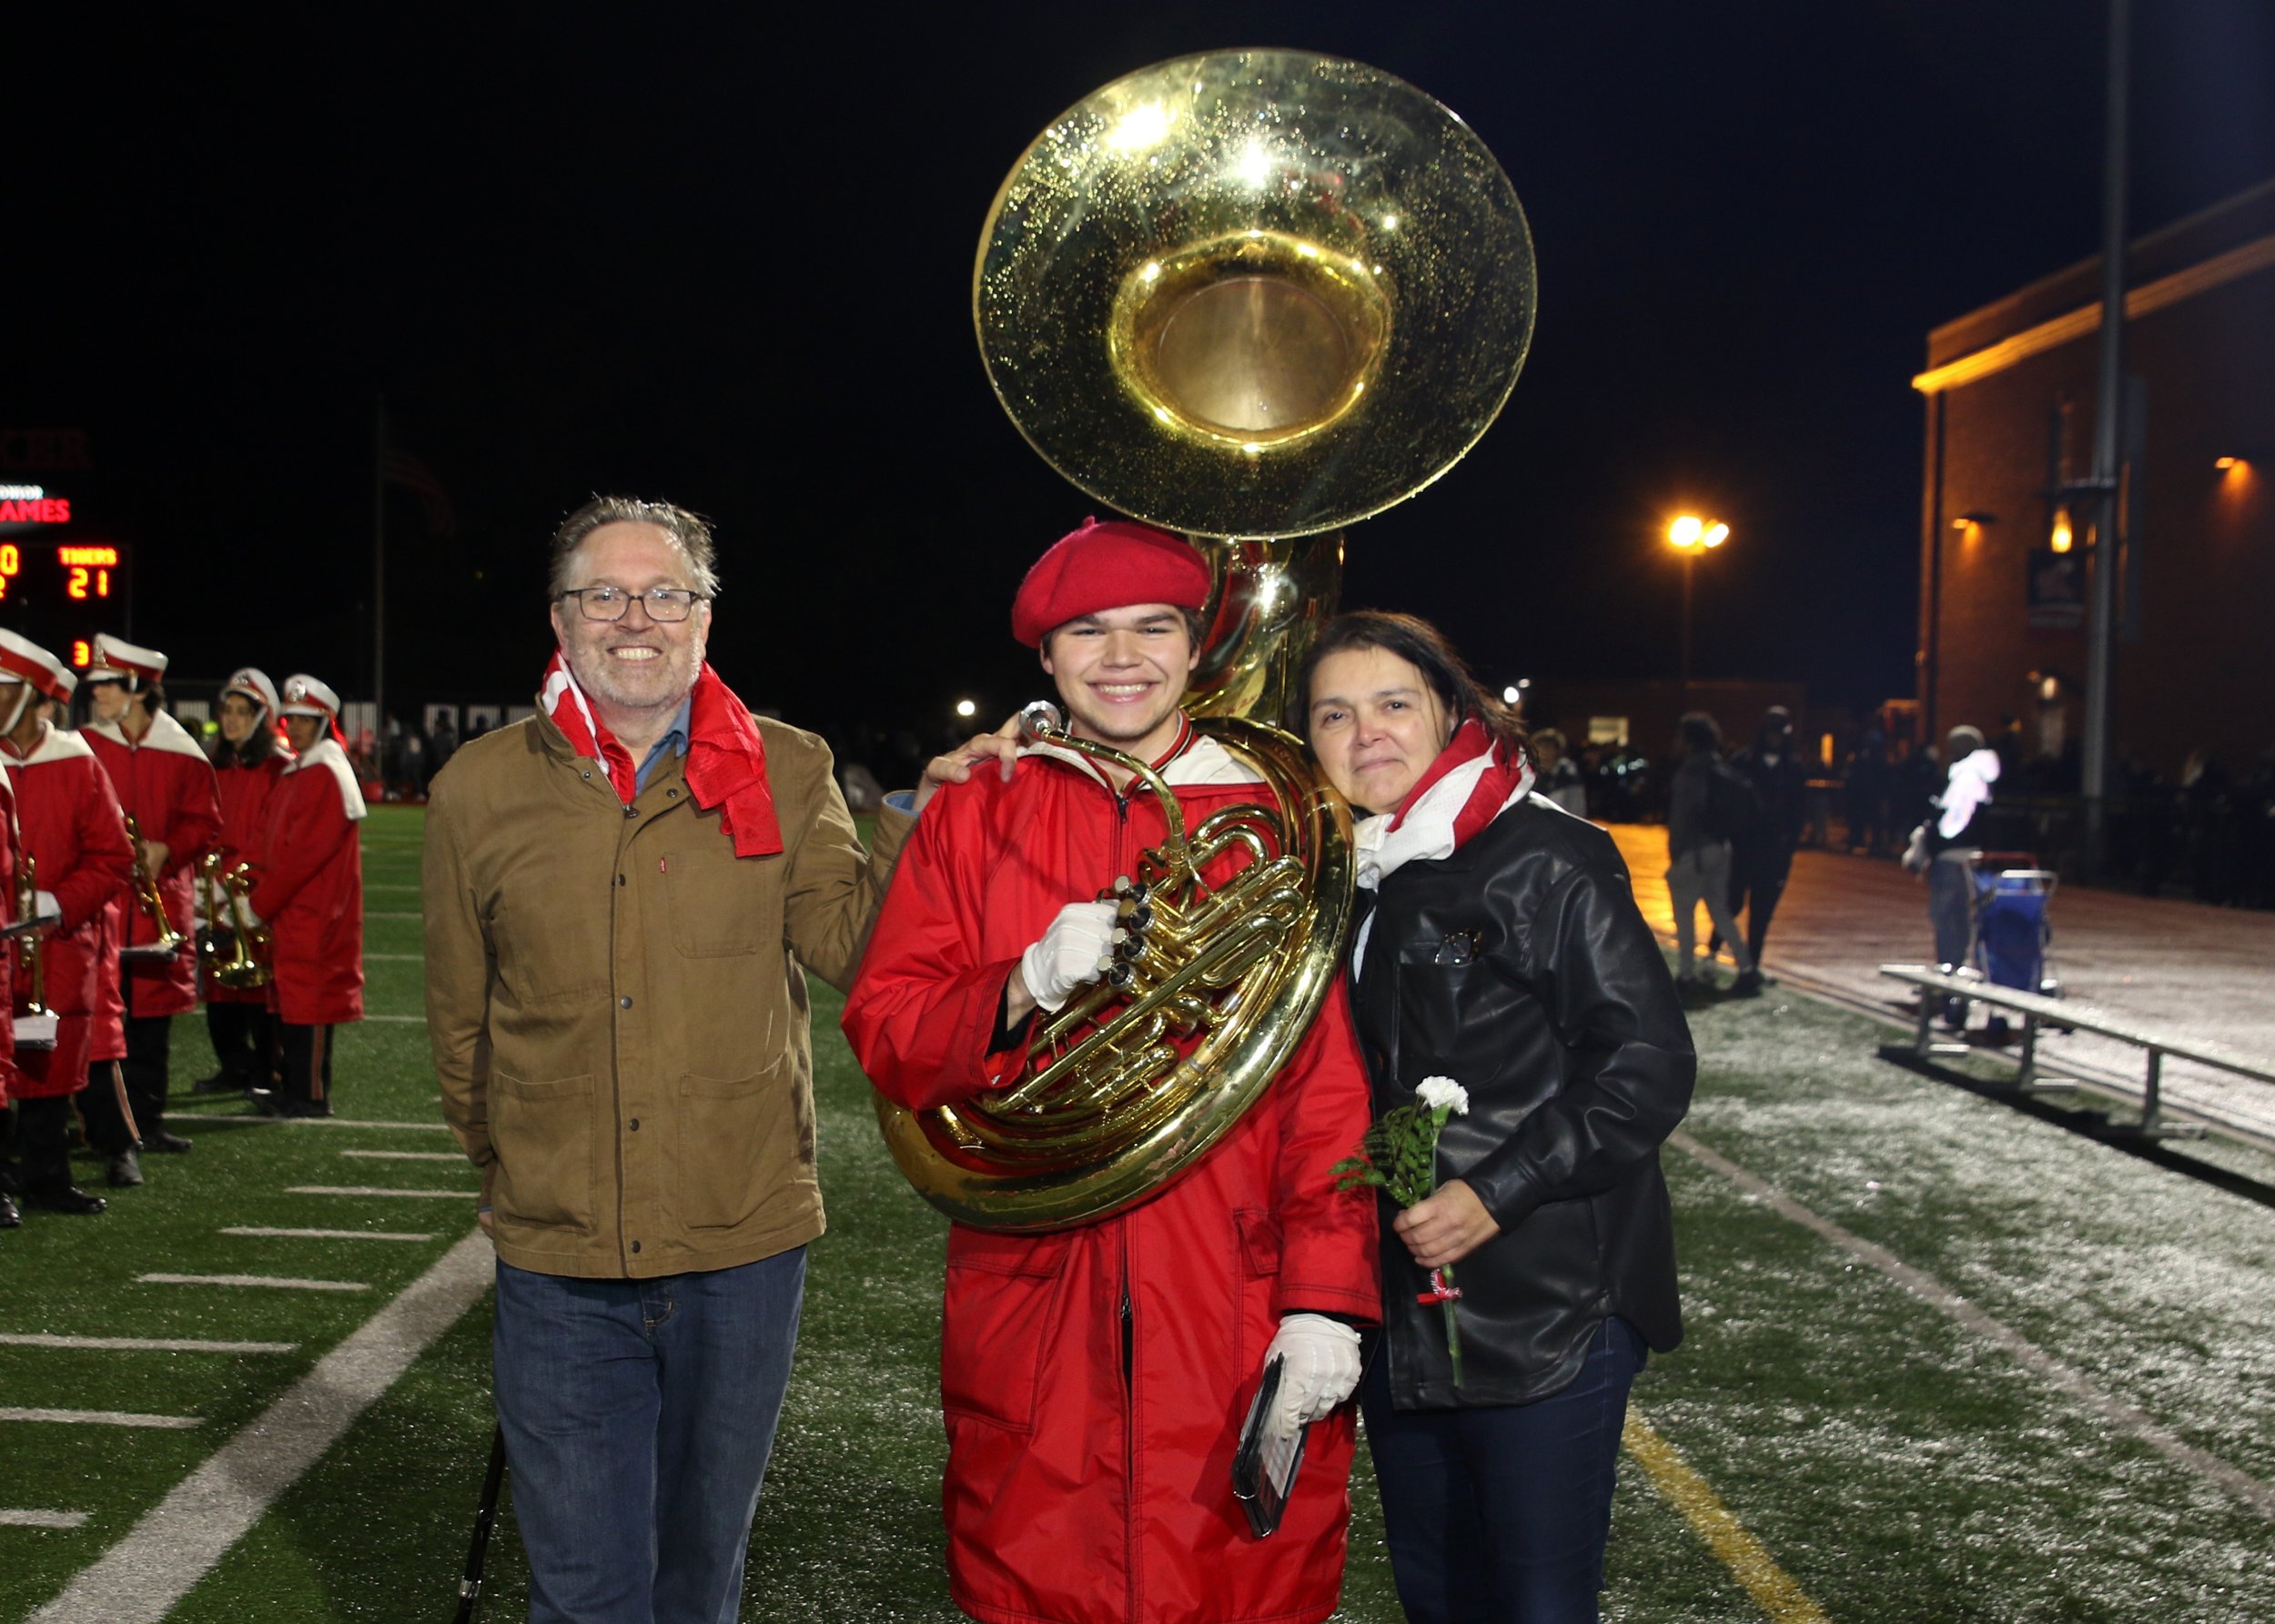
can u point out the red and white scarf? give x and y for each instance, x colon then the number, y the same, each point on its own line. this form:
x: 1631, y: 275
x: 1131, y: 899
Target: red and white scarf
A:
x: 1471, y: 782
x: 726, y: 758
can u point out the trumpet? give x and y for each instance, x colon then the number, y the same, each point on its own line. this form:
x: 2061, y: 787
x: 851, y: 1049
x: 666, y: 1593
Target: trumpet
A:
x: 168, y: 941
x: 35, y: 1023
x: 235, y: 952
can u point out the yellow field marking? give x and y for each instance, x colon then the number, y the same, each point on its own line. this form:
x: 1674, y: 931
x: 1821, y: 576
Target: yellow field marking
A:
x: 1772, y: 1587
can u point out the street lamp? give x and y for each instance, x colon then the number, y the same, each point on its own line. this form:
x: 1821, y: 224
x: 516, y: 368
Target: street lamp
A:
x: 966, y: 708
x: 1690, y: 535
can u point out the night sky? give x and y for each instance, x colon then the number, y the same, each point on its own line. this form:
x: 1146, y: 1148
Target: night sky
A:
x: 725, y: 257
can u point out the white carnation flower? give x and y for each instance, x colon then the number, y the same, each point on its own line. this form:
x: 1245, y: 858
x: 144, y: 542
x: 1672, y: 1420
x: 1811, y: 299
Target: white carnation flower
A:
x: 1442, y: 1094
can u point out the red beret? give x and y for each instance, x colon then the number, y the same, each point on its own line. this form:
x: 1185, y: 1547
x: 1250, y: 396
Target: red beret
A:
x: 1107, y: 566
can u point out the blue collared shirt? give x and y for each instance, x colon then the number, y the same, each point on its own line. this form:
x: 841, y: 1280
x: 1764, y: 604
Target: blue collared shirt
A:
x: 674, y: 739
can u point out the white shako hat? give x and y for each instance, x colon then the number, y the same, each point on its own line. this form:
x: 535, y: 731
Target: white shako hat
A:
x: 117, y: 660
x: 24, y: 660
x: 306, y: 696
x: 254, y: 684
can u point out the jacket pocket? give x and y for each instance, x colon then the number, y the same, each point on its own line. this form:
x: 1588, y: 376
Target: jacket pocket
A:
x: 548, y: 1154
x: 744, y: 1142
x: 1258, y: 1305
x: 722, y: 906
x: 1006, y: 1297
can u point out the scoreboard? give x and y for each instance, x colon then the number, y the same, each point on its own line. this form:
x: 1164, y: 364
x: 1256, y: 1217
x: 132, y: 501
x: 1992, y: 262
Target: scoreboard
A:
x: 60, y: 585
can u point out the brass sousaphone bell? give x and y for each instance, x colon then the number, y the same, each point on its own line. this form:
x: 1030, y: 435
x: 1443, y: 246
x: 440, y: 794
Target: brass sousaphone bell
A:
x: 1250, y: 296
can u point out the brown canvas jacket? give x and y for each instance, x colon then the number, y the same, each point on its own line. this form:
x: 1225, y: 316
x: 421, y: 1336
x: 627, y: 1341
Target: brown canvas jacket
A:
x: 618, y: 1005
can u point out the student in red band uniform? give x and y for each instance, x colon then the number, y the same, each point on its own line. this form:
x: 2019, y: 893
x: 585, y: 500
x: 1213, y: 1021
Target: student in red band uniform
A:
x: 167, y: 786
x: 75, y: 836
x: 249, y: 761
x: 309, y: 890
x: 1094, y: 1377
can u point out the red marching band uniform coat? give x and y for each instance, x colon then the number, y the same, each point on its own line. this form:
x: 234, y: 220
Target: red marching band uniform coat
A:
x: 1075, y: 1493
x: 244, y: 790
x: 167, y: 785
x: 11, y: 847
x: 310, y: 889
x: 75, y: 835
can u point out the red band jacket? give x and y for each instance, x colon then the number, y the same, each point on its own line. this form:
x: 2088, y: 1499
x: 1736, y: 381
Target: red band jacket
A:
x: 76, y: 837
x: 245, y: 789
x: 166, y: 784
x: 11, y: 849
x: 1094, y: 1379
x: 310, y: 889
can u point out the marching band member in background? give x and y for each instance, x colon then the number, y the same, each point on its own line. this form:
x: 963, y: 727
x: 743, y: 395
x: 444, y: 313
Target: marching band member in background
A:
x: 309, y: 890
x: 249, y: 759
x: 166, y: 786
x: 75, y: 836
x: 11, y: 867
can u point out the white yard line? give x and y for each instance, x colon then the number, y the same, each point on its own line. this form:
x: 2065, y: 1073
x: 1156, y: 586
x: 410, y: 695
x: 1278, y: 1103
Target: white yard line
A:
x: 406, y: 1156
x: 279, y: 1282
x: 141, y: 1344
x: 328, y: 1235
x: 139, y: 1579
x: 395, y: 958
x: 2259, y: 1496
x: 352, y: 1121
x: 96, y: 1418
x: 176, y: 1116
x: 42, y: 1520
x: 375, y: 1190
x: 403, y: 1020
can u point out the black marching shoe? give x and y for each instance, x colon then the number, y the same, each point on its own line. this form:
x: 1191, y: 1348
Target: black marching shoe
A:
x: 166, y: 1143
x: 219, y: 1083
x: 64, y: 1196
x: 1747, y: 985
x: 124, y: 1171
x: 9, y: 1217
x: 272, y: 1101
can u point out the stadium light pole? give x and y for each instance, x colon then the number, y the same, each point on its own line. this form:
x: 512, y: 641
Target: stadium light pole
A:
x: 1690, y: 535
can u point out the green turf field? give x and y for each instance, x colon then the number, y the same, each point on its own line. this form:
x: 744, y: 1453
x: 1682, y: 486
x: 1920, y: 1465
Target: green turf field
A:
x: 2085, y: 1430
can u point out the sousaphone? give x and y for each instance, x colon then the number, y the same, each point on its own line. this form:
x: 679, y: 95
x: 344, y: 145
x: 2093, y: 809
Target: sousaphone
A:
x: 1250, y: 296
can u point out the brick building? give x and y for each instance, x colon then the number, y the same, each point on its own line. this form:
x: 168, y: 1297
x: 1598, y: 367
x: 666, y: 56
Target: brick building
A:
x: 2004, y: 545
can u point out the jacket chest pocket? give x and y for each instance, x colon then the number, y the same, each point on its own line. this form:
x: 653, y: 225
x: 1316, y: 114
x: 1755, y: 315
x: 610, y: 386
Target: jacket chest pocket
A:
x: 1440, y: 980
x: 721, y: 906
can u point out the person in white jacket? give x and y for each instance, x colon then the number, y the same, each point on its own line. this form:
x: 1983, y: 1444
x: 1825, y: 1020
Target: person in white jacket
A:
x: 1946, y: 846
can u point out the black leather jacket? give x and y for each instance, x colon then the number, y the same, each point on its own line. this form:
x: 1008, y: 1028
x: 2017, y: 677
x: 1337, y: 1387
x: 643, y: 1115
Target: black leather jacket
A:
x: 1520, y: 968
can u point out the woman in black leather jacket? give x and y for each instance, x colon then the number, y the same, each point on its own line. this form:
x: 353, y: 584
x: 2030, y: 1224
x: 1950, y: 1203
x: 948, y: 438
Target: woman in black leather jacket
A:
x: 1499, y: 945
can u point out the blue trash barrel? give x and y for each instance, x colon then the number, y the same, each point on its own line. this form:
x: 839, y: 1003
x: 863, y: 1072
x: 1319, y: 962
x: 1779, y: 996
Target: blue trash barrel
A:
x: 2010, y: 927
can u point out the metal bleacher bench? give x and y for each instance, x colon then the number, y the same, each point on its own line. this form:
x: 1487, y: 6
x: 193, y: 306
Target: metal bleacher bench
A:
x: 2038, y: 1010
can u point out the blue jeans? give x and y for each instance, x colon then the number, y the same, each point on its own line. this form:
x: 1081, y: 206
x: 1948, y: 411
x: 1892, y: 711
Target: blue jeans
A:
x: 1499, y: 1515
x: 637, y: 1416
x: 1951, y: 909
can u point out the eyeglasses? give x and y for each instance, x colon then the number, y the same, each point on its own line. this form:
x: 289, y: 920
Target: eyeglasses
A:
x: 664, y: 604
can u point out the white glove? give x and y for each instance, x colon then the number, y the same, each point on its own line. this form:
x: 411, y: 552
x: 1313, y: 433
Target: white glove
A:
x: 1072, y: 952
x: 46, y: 909
x: 1321, y: 1370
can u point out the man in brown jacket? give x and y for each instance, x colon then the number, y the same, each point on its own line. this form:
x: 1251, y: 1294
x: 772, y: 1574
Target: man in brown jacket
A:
x: 623, y: 896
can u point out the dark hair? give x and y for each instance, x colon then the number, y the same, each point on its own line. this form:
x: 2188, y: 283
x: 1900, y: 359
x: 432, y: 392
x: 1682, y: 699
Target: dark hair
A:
x: 1700, y: 731
x: 1422, y: 646
x: 689, y: 533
